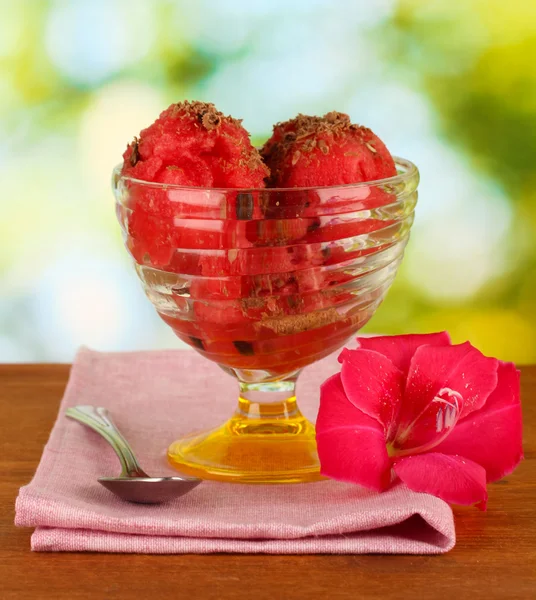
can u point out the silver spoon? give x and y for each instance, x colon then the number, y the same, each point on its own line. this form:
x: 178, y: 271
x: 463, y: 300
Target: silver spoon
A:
x: 133, y: 484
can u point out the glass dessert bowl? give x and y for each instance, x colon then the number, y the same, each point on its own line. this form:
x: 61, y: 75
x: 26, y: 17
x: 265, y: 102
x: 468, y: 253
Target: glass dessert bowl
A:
x: 264, y: 282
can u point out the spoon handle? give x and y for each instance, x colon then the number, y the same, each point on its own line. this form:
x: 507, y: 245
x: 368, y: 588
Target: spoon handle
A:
x: 98, y: 419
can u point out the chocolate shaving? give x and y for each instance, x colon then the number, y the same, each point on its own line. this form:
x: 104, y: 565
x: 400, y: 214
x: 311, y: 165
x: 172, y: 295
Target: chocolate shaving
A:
x: 135, y: 154
x: 309, y: 145
x: 210, y: 121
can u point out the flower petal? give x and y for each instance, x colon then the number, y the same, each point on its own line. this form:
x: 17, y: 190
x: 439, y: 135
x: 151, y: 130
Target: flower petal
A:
x: 355, y: 456
x: 452, y: 478
x: 337, y: 411
x: 373, y: 384
x: 439, y: 370
x: 434, y: 424
x: 492, y: 436
x: 351, y: 445
x: 399, y: 349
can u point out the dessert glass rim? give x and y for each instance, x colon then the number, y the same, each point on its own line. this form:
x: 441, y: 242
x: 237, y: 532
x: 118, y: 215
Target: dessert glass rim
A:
x: 410, y: 171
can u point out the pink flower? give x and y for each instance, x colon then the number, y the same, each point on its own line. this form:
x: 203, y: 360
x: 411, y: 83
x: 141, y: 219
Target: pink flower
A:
x: 445, y: 418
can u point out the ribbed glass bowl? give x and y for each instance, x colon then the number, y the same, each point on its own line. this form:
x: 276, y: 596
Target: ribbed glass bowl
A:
x: 264, y: 282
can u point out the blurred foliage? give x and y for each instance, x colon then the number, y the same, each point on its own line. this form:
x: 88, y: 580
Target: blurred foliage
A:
x: 475, y: 61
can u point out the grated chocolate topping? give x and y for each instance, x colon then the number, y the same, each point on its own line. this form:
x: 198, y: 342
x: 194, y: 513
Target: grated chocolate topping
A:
x: 310, y: 132
x: 205, y: 112
x: 135, y: 154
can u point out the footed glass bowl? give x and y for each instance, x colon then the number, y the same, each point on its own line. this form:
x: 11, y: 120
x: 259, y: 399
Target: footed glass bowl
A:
x: 264, y: 283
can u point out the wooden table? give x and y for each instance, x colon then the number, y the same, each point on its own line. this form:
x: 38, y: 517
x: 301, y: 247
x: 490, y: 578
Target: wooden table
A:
x: 495, y: 556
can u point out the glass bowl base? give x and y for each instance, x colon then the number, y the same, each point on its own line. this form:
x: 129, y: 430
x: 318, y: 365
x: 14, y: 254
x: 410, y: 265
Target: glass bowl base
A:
x: 254, y: 446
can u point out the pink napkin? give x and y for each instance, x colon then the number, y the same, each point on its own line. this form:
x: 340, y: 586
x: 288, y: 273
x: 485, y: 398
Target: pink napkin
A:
x: 155, y: 397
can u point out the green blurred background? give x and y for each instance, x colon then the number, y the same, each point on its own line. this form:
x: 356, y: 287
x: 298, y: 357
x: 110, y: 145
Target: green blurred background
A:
x: 450, y: 85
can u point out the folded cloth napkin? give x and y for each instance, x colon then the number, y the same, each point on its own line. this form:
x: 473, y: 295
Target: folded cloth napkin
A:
x: 155, y: 397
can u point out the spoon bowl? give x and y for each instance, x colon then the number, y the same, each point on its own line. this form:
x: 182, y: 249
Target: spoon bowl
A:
x: 149, y: 490
x: 133, y: 484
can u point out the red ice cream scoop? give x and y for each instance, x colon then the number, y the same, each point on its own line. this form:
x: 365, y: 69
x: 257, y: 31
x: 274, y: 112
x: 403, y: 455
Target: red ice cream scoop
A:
x: 191, y: 144
x: 259, y: 278
x: 322, y: 151
x: 194, y: 144
x: 329, y: 151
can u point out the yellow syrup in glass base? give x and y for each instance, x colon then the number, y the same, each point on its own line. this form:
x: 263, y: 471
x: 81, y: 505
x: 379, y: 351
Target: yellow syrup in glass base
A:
x: 262, y: 443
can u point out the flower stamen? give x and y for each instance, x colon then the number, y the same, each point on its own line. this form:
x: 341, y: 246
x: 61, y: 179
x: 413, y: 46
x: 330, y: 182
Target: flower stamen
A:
x: 446, y: 417
x: 445, y: 420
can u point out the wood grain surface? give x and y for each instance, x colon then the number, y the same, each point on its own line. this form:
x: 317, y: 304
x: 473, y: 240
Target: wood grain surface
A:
x: 495, y: 555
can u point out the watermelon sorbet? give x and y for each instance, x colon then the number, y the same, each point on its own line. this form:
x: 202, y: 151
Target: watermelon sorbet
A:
x: 261, y: 261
